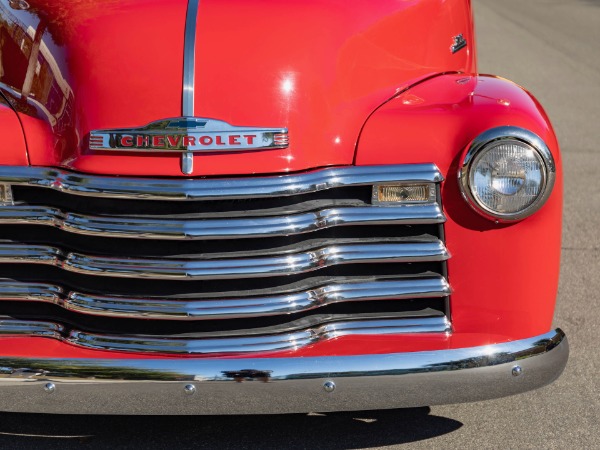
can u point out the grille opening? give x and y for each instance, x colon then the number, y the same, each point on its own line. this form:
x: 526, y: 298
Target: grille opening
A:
x: 94, y: 245
x: 375, y: 231
x: 355, y: 195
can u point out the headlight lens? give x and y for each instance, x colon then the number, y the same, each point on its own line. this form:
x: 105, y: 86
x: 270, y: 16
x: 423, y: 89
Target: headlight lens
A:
x: 507, y: 174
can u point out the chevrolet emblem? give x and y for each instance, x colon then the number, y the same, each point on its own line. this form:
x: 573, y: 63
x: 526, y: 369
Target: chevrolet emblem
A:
x: 188, y: 135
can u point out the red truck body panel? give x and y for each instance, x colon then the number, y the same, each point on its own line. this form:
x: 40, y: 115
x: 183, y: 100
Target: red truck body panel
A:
x: 328, y: 68
x: 355, y: 84
x: 485, y: 308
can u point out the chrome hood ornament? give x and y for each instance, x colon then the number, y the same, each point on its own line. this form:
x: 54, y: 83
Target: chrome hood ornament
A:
x: 459, y: 43
x: 188, y: 135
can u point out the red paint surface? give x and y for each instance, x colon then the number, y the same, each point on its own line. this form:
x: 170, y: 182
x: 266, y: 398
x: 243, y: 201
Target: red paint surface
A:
x: 13, y: 149
x: 326, y: 71
x: 504, y: 277
x: 317, y: 67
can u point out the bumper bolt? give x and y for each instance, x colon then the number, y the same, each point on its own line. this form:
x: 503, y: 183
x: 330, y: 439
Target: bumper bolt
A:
x: 329, y: 386
x: 189, y: 389
x: 516, y: 371
x: 49, y: 388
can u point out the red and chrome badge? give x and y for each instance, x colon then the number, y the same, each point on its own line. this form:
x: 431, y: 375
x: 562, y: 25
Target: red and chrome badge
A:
x: 188, y: 135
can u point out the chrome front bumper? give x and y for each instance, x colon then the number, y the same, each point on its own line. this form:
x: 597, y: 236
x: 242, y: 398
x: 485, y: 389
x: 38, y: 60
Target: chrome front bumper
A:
x: 280, y: 385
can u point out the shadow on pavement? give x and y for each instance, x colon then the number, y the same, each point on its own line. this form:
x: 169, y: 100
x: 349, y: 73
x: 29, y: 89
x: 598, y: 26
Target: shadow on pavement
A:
x: 333, y: 430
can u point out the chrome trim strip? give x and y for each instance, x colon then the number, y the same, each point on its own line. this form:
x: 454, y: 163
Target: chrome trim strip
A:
x: 215, y: 189
x: 299, y: 334
x: 156, y: 228
x: 189, y: 58
x: 189, y: 64
x: 187, y: 163
x: 31, y: 328
x: 31, y: 292
x: 276, y: 342
x: 279, y: 385
x: 312, y: 297
x: 197, y: 269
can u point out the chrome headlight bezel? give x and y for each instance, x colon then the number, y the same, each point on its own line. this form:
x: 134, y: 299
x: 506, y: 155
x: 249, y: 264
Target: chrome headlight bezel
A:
x: 490, y: 139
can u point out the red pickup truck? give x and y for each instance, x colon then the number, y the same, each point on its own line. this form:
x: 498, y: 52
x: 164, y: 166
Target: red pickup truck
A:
x: 231, y: 207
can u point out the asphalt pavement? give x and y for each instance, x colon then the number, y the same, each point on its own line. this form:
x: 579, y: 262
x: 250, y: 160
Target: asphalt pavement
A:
x: 552, y: 47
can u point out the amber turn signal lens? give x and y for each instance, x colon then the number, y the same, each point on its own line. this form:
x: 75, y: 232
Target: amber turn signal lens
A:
x: 416, y: 193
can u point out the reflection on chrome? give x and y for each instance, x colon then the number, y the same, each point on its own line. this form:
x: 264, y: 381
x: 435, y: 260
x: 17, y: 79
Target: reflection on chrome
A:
x: 216, y: 189
x: 311, y: 297
x: 223, y: 268
x: 291, y: 336
x: 281, y: 385
x: 182, y: 229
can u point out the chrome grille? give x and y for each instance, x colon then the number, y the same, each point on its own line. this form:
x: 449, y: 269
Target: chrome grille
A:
x: 219, y: 265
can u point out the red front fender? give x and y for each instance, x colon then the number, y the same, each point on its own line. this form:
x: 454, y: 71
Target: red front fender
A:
x: 504, y: 276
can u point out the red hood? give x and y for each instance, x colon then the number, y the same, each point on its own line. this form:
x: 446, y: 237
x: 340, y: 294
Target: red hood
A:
x: 318, y: 68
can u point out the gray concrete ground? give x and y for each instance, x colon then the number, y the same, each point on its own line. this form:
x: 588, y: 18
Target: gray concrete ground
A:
x: 553, y: 48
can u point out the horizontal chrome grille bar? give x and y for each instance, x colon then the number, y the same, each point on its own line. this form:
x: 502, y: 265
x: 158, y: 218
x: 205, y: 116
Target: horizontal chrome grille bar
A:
x: 31, y: 328
x: 322, y: 329
x: 196, y: 269
x: 226, y: 308
x: 180, y: 229
x: 214, y: 189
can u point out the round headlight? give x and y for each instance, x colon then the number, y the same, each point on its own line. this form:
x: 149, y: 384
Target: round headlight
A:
x: 507, y: 174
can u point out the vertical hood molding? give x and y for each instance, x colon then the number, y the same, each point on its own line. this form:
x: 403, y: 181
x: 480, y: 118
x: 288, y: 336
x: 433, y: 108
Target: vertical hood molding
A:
x: 189, y: 66
x: 189, y: 58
